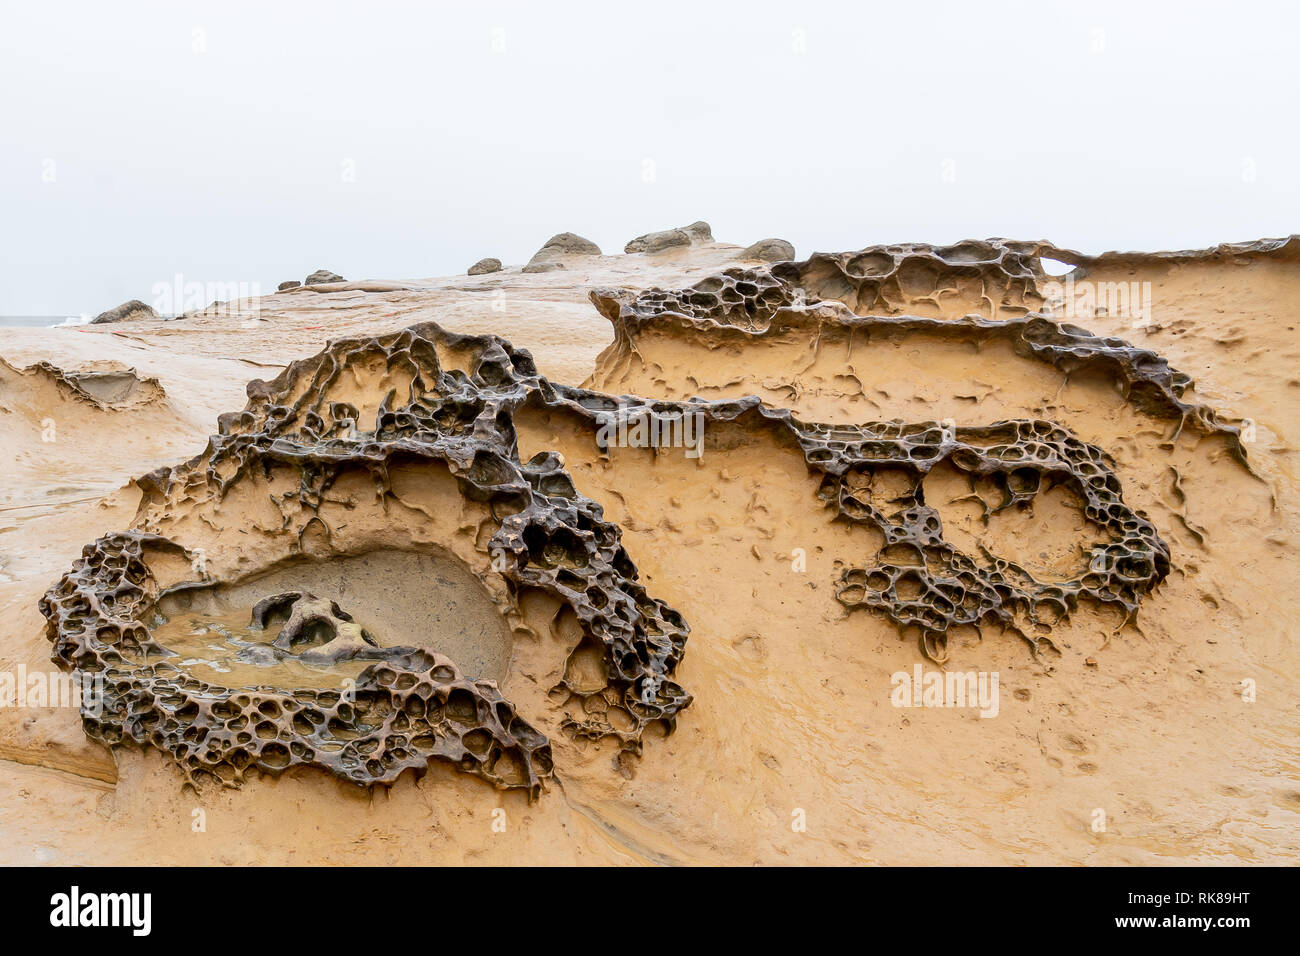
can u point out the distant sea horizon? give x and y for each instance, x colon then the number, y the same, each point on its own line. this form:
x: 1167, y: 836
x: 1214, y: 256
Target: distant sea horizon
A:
x: 41, y: 321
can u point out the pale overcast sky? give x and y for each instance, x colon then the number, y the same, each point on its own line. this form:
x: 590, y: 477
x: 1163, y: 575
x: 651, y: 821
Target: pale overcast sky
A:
x: 255, y: 142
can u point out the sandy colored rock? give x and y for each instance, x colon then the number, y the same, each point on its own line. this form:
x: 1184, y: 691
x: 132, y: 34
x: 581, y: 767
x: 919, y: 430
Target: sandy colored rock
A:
x: 658, y: 241
x: 699, y: 231
x: 484, y: 266
x: 694, y: 234
x: 768, y: 250
x: 322, y: 276
x: 565, y: 244
x: 795, y: 554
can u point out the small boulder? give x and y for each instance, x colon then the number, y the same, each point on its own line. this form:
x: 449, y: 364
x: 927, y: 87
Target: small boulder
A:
x: 659, y: 241
x: 700, y: 232
x: 323, y: 275
x: 564, y: 244
x: 695, y: 234
x: 569, y: 244
x: 287, y: 285
x: 484, y: 266
x: 126, y: 312
x: 769, y: 250
x: 544, y: 267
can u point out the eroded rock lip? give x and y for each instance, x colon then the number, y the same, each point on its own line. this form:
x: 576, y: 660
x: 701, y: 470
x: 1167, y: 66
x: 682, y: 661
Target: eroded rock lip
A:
x: 1287, y: 249
x: 870, y: 289
x: 107, y: 385
x: 1000, y: 275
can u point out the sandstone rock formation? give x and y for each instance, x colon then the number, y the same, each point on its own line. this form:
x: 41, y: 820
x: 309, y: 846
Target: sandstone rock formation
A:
x: 769, y: 250
x: 484, y: 266
x: 451, y: 421
x: 322, y: 276
x: 562, y: 245
x: 307, y: 429
x: 695, y: 234
x: 126, y: 312
x: 418, y: 550
x: 828, y: 296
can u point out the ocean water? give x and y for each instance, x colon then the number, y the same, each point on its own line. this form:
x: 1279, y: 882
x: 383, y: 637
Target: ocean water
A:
x: 41, y: 321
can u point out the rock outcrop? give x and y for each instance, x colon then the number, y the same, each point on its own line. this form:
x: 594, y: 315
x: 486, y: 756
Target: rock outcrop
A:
x: 413, y: 705
x: 126, y: 312
x: 561, y: 246
x: 769, y: 250
x: 484, y: 267
x: 322, y: 276
x: 438, y: 405
x: 852, y: 294
x: 697, y: 233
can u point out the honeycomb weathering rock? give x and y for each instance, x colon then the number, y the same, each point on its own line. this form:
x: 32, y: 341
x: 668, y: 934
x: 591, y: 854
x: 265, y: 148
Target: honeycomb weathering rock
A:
x: 919, y: 579
x: 758, y: 303
x: 736, y: 298
x: 353, y: 421
x: 992, y: 277
x: 549, y: 538
x: 412, y: 707
x: 999, y: 276
x: 923, y: 580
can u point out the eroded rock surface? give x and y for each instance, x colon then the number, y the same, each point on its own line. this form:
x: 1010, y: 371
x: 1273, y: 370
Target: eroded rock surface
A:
x: 769, y: 250
x: 696, y: 233
x: 999, y: 276
x: 792, y: 694
x: 414, y: 707
x: 560, y: 246
x: 457, y: 420
x: 345, y: 430
x: 126, y: 312
x: 827, y: 291
x: 105, y: 385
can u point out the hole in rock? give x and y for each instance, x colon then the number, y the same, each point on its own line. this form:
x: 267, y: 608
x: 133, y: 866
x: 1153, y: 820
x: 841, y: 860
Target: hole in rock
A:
x: 427, y: 600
